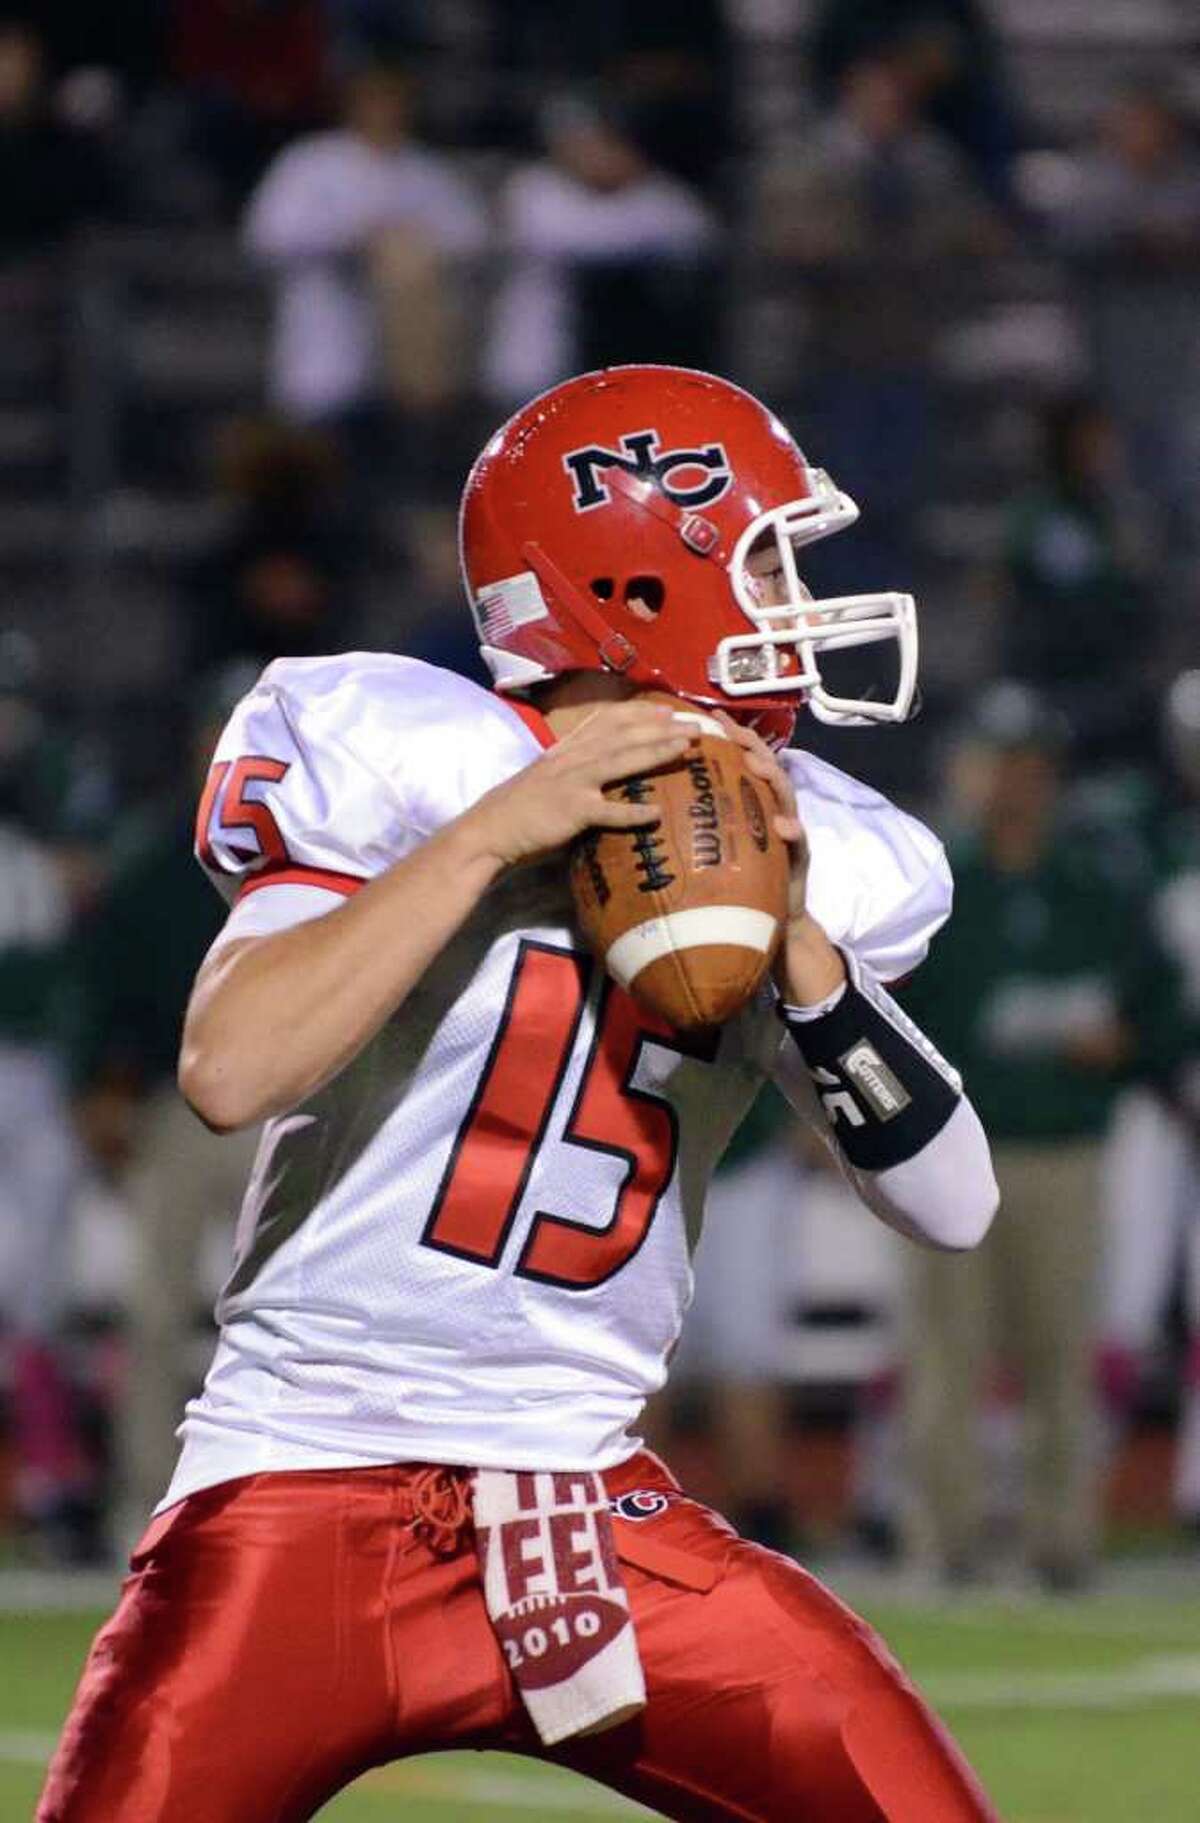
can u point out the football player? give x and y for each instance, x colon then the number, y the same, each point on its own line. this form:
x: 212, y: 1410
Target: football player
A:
x: 411, y: 1511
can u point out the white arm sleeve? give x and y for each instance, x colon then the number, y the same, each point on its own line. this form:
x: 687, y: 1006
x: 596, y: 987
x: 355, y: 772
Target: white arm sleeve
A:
x: 880, y: 888
x: 944, y: 1196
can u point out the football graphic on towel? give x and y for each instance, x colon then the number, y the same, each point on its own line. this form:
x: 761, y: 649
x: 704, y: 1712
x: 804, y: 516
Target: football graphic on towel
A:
x: 546, y: 1638
x: 687, y: 913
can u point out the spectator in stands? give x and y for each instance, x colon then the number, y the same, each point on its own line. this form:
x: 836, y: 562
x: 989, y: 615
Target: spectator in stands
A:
x: 871, y: 179
x: 878, y: 209
x: 1077, y: 561
x: 602, y: 254
x: 255, y: 75
x: 1129, y: 215
x: 360, y: 229
x: 123, y: 38
x: 281, y: 579
x: 1137, y: 192
x: 951, y: 57
x: 140, y: 951
x: 54, y: 1482
x: 425, y: 618
x: 52, y: 180
x: 1051, y: 990
x: 671, y: 66
x: 380, y: 31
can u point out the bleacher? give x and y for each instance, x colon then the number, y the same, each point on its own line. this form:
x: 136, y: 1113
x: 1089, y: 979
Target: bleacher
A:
x: 109, y: 404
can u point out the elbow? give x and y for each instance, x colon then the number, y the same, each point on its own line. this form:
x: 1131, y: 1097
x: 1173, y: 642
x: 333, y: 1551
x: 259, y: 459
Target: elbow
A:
x: 946, y: 1197
x: 971, y: 1218
x: 213, y: 1093
x: 971, y: 1196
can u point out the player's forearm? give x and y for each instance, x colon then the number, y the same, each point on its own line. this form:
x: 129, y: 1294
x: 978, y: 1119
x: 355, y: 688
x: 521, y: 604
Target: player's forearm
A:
x: 273, y: 1019
x: 906, y: 1134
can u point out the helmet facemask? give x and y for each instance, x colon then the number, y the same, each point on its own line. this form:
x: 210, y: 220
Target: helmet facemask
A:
x: 791, y: 630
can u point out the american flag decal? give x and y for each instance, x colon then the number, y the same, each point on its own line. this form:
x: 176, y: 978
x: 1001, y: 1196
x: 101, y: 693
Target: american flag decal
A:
x: 495, y: 619
x: 501, y: 607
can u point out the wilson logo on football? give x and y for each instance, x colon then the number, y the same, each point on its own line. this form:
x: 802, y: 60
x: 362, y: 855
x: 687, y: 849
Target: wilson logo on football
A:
x: 689, y: 477
x: 643, y: 1503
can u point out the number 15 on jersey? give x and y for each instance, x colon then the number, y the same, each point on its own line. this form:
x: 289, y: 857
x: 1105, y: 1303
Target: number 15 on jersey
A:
x: 506, y: 1125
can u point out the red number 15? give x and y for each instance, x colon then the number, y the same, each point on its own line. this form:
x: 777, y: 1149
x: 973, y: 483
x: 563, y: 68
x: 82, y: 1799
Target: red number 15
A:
x: 237, y: 811
x: 489, y: 1167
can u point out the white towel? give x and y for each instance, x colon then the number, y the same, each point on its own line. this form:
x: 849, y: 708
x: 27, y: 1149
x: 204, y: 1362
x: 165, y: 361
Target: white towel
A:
x: 553, y: 1591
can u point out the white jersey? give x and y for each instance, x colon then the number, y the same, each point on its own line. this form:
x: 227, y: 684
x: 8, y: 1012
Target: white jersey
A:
x: 473, y: 1245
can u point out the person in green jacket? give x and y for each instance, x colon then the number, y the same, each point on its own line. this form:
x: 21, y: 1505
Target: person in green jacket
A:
x: 138, y: 955
x: 1052, y: 990
x: 1152, y: 1176
x: 53, y: 1496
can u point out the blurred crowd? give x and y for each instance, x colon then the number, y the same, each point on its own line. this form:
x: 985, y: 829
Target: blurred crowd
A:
x: 272, y: 270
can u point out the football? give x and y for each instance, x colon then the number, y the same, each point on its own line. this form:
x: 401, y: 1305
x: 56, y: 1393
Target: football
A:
x: 687, y: 913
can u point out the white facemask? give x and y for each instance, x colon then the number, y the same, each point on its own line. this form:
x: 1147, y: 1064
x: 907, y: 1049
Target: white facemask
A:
x: 748, y: 664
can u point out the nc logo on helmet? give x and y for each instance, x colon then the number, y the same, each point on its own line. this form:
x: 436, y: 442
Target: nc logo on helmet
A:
x: 689, y: 477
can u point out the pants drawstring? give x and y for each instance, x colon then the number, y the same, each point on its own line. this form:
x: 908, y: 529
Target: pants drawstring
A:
x: 440, y: 1508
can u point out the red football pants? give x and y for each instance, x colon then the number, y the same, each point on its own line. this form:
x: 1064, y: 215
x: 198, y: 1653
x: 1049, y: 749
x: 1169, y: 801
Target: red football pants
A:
x: 280, y: 1634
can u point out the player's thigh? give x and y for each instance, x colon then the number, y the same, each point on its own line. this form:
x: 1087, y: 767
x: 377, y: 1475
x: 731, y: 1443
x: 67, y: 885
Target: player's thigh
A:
x: 770, y: 1700
x: 232, y: 1684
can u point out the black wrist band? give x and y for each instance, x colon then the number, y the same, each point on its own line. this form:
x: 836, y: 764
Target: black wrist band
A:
x: 885, y: 1090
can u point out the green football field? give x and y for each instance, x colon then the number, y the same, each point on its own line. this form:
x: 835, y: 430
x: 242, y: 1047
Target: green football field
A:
x: 1079, y: 1711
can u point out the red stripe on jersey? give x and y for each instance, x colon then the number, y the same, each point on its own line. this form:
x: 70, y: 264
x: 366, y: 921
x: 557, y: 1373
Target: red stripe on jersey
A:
x: 533, y: 719
x: 346, y: 884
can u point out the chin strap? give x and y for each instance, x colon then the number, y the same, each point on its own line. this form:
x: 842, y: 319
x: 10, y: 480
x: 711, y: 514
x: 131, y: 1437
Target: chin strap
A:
x: 699, y: 534
x: 616, y: 652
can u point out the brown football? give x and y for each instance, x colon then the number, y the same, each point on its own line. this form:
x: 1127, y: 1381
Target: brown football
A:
x: 687, y: 913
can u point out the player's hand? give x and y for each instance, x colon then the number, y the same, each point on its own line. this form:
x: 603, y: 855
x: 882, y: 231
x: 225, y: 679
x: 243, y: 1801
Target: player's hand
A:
x: 562, y: 793
x: 764, y: 765
x: 808, y: 967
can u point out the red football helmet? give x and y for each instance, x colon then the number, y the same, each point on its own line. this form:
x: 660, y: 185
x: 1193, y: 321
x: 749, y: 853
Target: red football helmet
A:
x: 609, y: 526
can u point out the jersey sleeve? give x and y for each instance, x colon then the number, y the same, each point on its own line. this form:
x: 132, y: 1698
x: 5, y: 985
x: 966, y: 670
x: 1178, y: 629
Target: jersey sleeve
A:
x: 879, y: 884
x: 291, y: 820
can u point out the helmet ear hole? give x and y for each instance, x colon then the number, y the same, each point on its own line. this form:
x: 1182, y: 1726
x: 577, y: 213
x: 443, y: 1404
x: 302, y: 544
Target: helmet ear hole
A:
x: 644, y: 596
